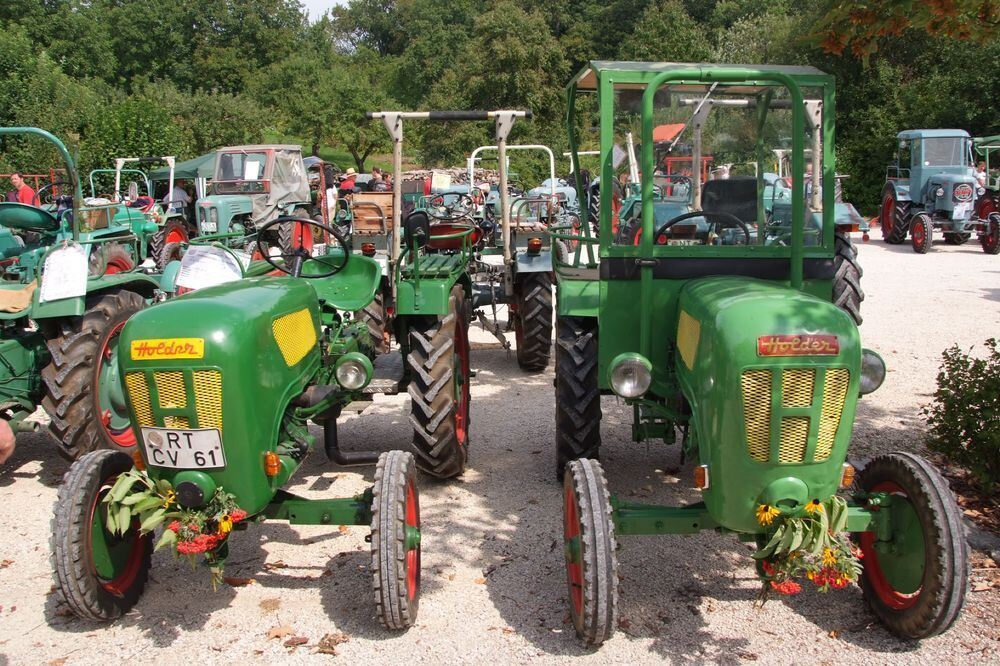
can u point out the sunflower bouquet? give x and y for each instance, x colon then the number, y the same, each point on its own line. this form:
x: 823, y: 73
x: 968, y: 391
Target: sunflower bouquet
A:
x: 136, y: 498
x: 811, y: 545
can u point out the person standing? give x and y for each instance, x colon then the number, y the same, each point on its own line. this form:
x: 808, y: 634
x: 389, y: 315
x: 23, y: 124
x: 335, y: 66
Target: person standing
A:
x: 981, y: 175
x: 177, y: 199
x: 24, y: 193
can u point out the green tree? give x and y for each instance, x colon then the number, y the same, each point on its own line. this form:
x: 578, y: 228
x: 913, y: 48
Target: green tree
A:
x: 666, y: 32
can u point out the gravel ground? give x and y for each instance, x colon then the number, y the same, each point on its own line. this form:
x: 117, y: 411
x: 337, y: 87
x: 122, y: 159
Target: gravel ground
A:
x: 493, y: 579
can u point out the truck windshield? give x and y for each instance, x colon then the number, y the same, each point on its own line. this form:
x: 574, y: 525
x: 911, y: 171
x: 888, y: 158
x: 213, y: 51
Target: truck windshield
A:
x: 241, y: 166
x: 950, y: 151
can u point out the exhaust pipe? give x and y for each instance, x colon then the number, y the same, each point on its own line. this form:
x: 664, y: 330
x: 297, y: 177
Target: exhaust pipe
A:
x: 343, y: 458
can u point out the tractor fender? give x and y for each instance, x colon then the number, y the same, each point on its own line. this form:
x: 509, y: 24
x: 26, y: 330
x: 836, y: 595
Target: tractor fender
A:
x: 429, y: 298
x: 168, y: 279
x: 534, y: 263
x: 140, y: 283
x: 902, y: 191
x: 578, y: 298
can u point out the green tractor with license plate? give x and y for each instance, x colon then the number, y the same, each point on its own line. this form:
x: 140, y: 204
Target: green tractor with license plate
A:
x: 932, y: 187
x: 69, y: 284
x: 733, y: 346
x: 220, y: 386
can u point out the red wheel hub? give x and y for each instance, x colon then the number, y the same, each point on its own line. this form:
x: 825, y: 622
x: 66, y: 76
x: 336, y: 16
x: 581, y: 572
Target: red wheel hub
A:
x: 571, y: 534
x: 873, y: 572
x: 175, y: 235
x: 919, y: 232
x: 887, y: 216
x: 413, y: 554
x: 120, y: 584
x: 125, y: 437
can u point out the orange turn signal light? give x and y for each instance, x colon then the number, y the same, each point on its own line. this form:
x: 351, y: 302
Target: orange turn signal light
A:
x: 272, y: 464
x: 140, y: 464
x: 847, y: 476
x: 701, y: 477
x: 534, y: 245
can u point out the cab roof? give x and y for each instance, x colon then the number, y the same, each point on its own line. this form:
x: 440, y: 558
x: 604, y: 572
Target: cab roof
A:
x: 933, y: 134
x: 586, y: 78
x: 260, y: 147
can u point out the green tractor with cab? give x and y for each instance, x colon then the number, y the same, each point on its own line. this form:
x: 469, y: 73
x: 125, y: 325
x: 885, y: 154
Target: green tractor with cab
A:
x: 721, y: 329
x: 70, y: 282
x: 220, y: 386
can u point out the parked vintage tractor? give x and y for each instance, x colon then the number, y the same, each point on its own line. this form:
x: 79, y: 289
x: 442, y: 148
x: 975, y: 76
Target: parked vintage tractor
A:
x: 252, y: 186
x: 734, y: 346
x: 933, y: 186
x: 221, y: 384
x: 988, y: 205
x: 68, y: 287
x: 139, y: 205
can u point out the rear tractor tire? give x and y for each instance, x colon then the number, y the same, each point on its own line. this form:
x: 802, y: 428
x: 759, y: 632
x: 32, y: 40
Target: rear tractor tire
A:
x: 916, y: 582
x: 847, y: 292
x: 921, y: 233
x: 109, y: 259
x: 173, y: 233
x: 99, y: 574
x: 439, y: 389
x: 590, y: 551
x: 533, y: 321
x: 893, y: 217
x: 395, y: 540
x: 578, y: 399
x: 83, y: 392
x: 374, y: 317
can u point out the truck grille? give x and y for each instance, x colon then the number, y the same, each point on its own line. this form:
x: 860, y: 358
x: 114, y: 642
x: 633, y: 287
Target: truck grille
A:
x: 172, y: 407
x: 798, y: 408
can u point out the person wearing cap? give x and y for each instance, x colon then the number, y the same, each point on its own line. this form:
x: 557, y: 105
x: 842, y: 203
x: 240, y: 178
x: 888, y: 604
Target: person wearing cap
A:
x: 347, y: 179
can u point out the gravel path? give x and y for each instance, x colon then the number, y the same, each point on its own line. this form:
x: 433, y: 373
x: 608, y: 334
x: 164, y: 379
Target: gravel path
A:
x: 493, y: 579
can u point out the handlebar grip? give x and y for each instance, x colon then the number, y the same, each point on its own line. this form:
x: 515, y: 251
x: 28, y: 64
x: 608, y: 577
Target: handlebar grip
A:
x: 369, y: 115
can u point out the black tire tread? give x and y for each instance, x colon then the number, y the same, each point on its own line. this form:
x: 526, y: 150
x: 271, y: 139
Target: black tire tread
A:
x: 598, y: 552
x: 373, y: 315
x: 992, y: 219
x: 70, y: 565
x: 578, y: 399
x: 68, y: 378
x: 847, y: 291
x: 388, y: 540
x: 534, y: 317
x: 946, y: 573
x: 900, y: 223
x: 158, y: 241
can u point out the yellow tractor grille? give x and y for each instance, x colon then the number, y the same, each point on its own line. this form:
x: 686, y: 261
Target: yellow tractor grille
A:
x: 172, y: 393
x: 757, y: 412
x: 295, y: 335
x: 834, y: 397
x: 797, y: 386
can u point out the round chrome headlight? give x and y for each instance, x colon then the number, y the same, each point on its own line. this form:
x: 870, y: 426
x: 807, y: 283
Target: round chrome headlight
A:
x: 939, y: 192
x: 872, y: 371
x: 981, y: 191
x: 631, y: 375
x: 353, y: 371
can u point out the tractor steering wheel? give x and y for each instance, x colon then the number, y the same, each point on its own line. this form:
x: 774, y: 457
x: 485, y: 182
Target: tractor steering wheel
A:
x: 38, y: 201
x: 461, y: 206
x: 296, y: 259
x: 721, y: 220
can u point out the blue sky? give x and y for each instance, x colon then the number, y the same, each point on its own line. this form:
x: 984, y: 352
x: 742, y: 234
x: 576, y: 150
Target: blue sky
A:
x: 317, y: 8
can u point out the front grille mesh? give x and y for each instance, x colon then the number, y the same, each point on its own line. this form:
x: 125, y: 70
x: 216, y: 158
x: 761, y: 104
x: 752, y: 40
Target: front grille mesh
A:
x: 206, y: 409
x: 295, y: 335
x: 797, y: 387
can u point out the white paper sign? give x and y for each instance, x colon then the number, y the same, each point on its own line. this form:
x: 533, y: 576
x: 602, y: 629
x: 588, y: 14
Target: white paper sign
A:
x: 205, y: 266
x: 440, y: 181
x: 617, y: 156
x: 251, y: 170
x: 64, y: 274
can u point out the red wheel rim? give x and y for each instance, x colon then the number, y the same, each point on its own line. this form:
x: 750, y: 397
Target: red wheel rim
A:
x: 413, y: 554
x: 120, y: 584
x: 118, y: 265
x: 986, y: 206
x: 919, y: 233
x: 462, y: 381
x: 175, y: 235
x: 887, y: 215
x: 126, y: 437
x: 886, y: 593
x: 302, y: 236
x: 571, y: 532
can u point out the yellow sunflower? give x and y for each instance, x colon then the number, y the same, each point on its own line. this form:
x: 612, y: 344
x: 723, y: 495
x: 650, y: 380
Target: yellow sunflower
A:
x: 225, y: 524
x: 766, y: 514
x: 814, y: 507
x: 829, y: 557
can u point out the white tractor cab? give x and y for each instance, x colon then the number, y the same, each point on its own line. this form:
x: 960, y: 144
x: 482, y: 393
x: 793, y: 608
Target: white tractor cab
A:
x: 136, y: 205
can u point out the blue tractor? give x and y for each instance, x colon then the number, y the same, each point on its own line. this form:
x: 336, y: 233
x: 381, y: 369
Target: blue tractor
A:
x: 932, y: 186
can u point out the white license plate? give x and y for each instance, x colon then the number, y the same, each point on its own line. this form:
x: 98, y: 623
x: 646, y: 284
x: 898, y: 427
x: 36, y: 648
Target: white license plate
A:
x: 684, y: 241
x: 209, y: 227
x: 183, y: 449
x: 961, y: 210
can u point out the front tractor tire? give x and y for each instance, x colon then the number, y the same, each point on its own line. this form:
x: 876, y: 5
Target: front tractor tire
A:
x: 533, y: 321
x: 916, y: 582
x: 100, y: 575
x: 578, y: 398
x: 893, y: 217
x: 83, y: 392
x: 921, y: 233
x: 847, y: 292
x: 395, y: 540
x: 439, y: 389
x: 590, y: 552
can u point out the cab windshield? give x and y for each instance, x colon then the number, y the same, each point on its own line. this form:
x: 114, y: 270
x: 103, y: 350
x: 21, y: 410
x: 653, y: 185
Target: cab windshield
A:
x: 946, y: 151
x: 241, y: 166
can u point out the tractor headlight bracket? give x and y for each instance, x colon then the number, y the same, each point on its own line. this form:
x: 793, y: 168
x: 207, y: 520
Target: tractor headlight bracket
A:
x: 630, y: 375
x: 872, y: 372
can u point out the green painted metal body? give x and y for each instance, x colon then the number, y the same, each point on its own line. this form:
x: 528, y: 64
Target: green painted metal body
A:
x: 23, y: 352
x: 640, y: 311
